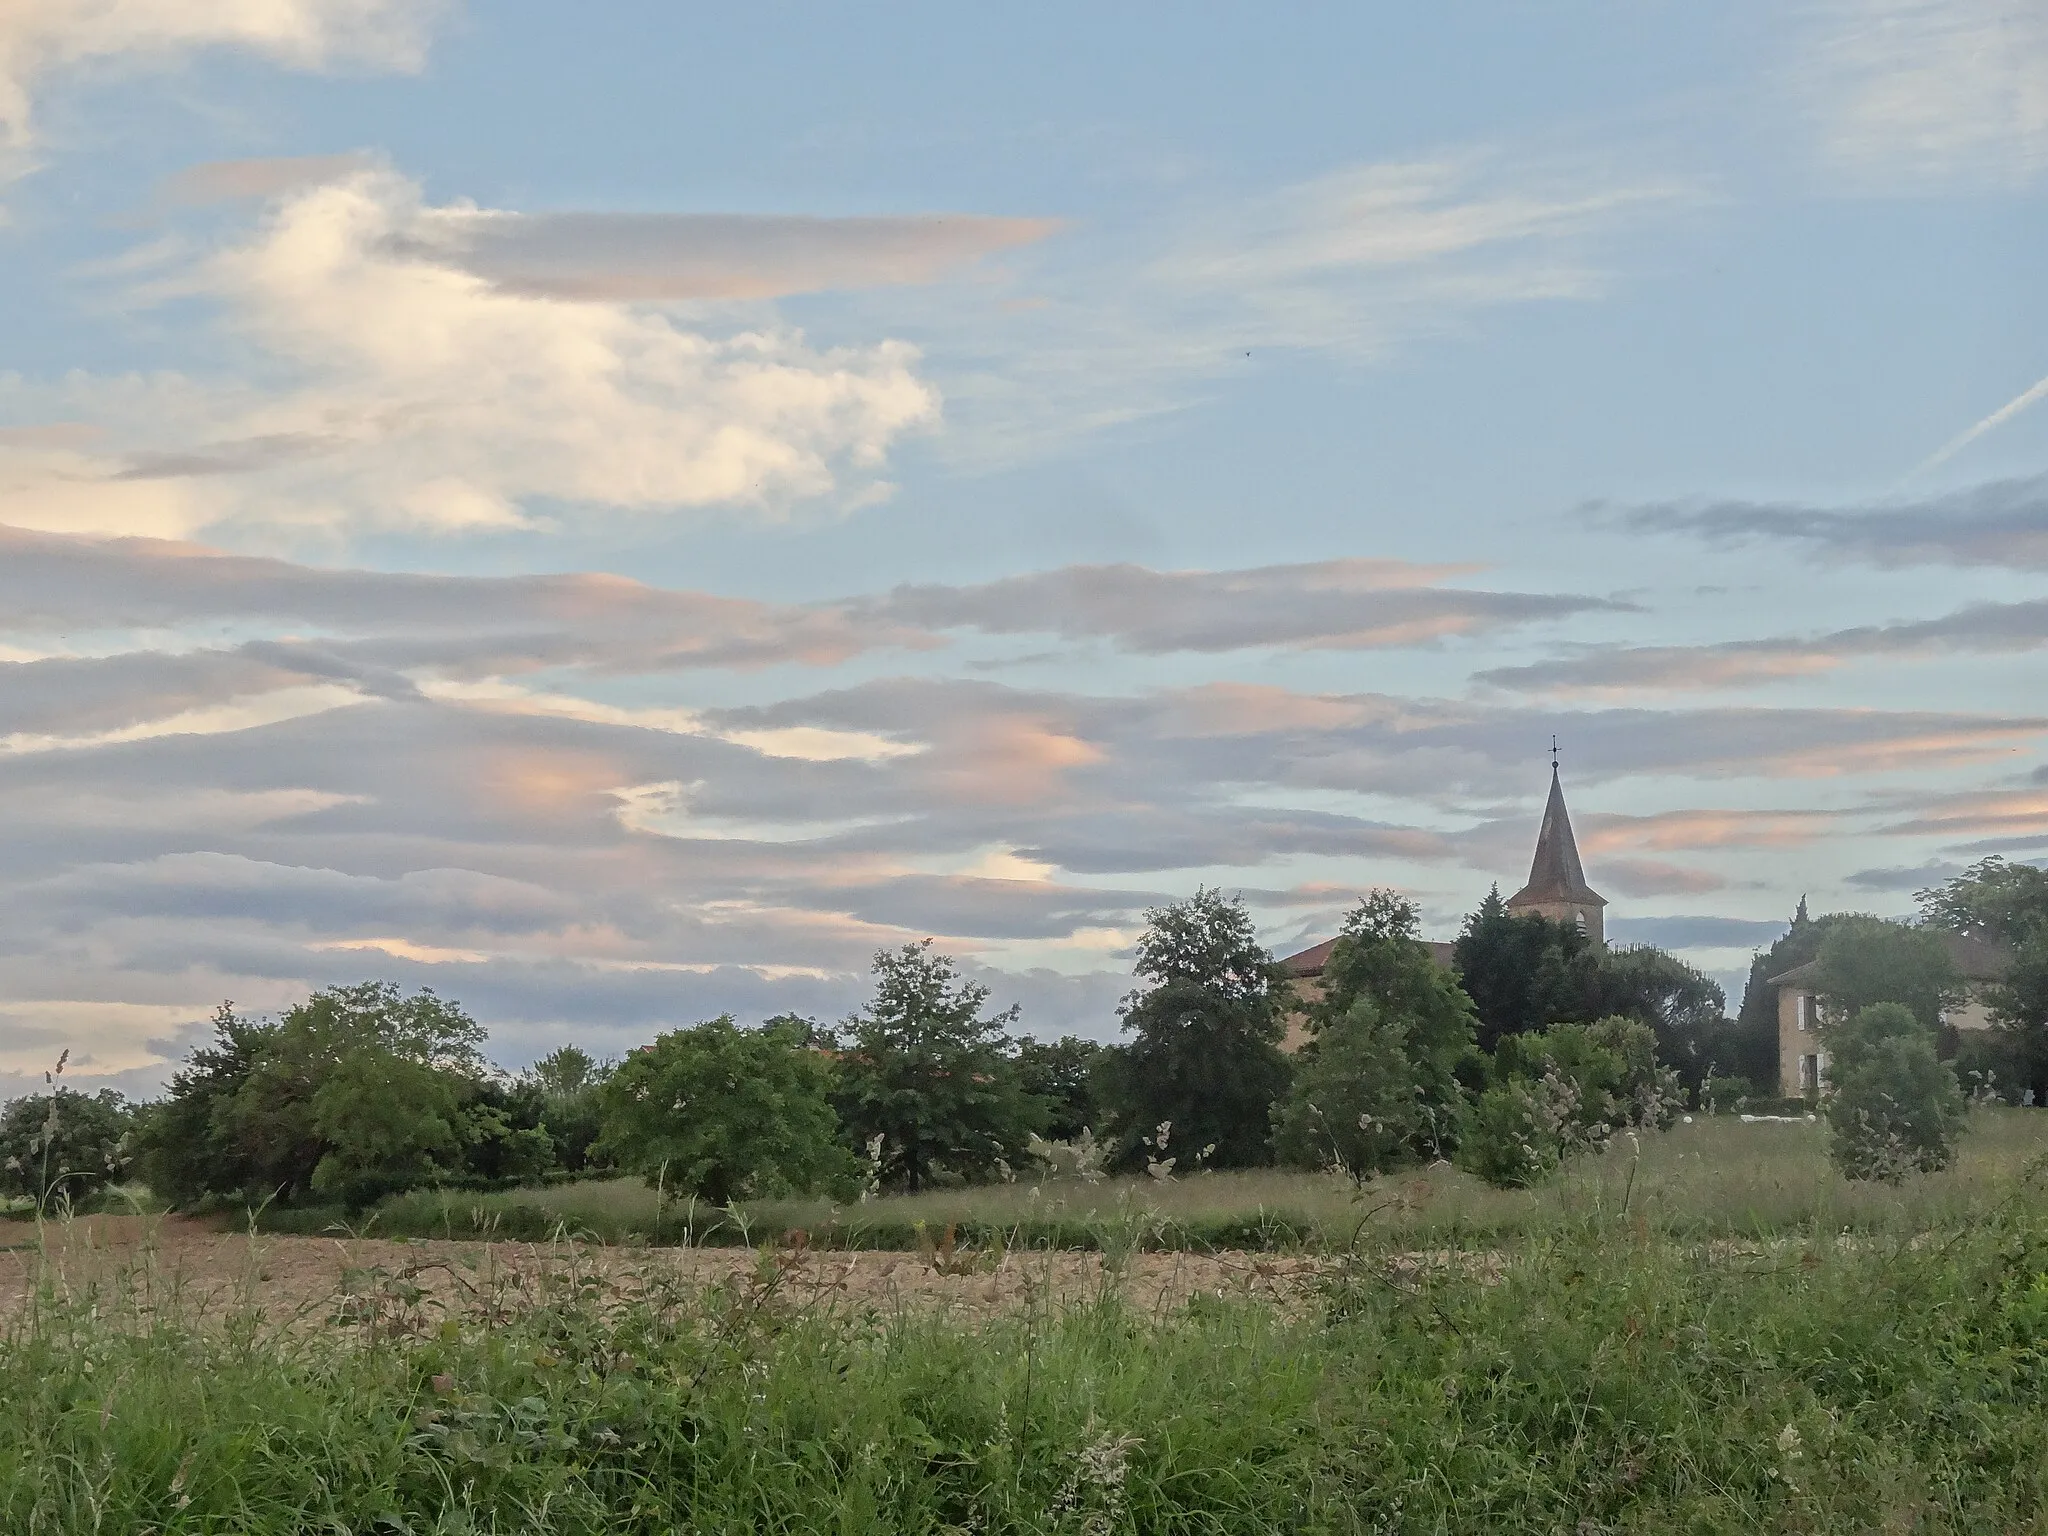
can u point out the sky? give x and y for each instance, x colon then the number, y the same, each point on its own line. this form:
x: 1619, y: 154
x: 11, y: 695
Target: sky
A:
x: 617, y: 512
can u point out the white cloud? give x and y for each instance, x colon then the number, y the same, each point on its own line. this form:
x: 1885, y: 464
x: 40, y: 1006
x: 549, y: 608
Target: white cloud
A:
x: 39, y: 38
x: 1931, y: 94
x: 421, y: 396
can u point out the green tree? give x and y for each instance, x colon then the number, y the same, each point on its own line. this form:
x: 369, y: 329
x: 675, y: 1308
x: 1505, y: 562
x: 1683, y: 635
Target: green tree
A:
x: 1893, y: 1106
x: 1522, y: 973
x: 1204, y: 1055
x: 568, y: 1080
x: 1565, y: 1090
x: 1063, y: 1075
x: 1378, y: 1082
x: 726, y: 1113
x: 63, y: 1144
x: 2005, y: 904
x: 925, y: 1071
x: 1684, y: 1008
x: 1752, y: 1049
x: 356, y: 1092
x: 1865, y: 960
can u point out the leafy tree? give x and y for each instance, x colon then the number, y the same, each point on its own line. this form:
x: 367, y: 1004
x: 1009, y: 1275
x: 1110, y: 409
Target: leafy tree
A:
x: 1521, y: 972
x: 568, y: 1080
x: 1865, y: 960
x: 185, y: 1144
x: 1378, y: 1082
x: 1062, y: 1074
x: 1204, y: 1054
x: 1565, y: 1090
x: 926, y: 1072
x: 1752, y: 1048
x: 505, y: 1134
x: 726, y: 1113
x: 1684, y: 1008
x: 2004, y: 903
x: 356, y: 1092
x: 63, y: 1144
x: 1893, y: 1105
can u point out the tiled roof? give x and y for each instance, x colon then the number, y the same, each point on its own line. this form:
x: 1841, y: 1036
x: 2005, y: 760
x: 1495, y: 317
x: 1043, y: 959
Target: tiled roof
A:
x: 1555, y: 873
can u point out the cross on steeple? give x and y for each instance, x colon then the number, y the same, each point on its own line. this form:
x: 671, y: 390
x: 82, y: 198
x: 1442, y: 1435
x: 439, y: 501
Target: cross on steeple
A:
x: 1553, y: 754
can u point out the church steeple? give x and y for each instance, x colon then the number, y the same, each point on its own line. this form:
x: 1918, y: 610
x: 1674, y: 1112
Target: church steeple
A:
x: 1557, y: 886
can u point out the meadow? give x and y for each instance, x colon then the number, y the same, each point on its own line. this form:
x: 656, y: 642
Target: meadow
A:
x: 1710, y: 1333
x: 1710, y: 1176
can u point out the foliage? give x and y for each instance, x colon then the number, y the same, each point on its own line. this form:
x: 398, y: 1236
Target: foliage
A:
x: 1204, y: 1056
x: 1893, y: 1106
x: 1753, y: 1043
x: 1685, y: 1008
x: 1062, y: 1074
x: 568, y: 1080
x: 926, y: 1072
x: 1566, y: 1090
x: 725, y: 1113
x: 2004, y: 903
x: 356, y: 1092
x: 1596, y: 1380
x: 1378, y: 1082
x: 1522, y: 973
x: 63, y: 1145
x: 1865, y: 960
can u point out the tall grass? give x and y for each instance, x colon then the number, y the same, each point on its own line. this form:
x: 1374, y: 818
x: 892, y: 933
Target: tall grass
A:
x: 1599, y: 1376
x: 1714, y: 1176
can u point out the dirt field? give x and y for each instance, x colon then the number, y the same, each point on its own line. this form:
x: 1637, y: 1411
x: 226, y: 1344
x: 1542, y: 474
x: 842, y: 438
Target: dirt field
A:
x: 169, y: 1264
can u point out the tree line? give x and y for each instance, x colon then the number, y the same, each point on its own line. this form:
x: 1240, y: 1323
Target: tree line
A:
x: 1535, y: 1044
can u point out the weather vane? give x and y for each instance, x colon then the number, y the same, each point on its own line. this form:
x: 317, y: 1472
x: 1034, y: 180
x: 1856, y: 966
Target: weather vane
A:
x: 1553, y: 754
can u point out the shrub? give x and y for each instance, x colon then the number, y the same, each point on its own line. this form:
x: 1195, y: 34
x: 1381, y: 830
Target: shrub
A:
x: 1893, y: 1105
x: 1566, y: 1090
x: 1357, y: 1103
x: 63, y: 1144
x: 723, y: 1113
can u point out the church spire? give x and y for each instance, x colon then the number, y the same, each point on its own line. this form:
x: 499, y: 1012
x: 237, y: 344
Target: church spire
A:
x: 1557, y: 887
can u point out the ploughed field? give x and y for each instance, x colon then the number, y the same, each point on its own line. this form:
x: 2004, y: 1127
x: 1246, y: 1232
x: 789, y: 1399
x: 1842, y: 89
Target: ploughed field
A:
x: 1707, y: 1331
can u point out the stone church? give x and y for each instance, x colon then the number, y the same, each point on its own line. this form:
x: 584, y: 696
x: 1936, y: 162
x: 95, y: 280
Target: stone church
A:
x: 1556, y: 889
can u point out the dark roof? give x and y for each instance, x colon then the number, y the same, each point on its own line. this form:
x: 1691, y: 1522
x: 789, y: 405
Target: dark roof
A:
x: 1555, y: 873
x: 1309, y: 962
x: 1975, y: 960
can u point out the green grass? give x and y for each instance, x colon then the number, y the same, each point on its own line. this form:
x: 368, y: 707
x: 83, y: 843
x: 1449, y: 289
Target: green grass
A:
x: 1713, y: 1177
x: 1599, y: 1376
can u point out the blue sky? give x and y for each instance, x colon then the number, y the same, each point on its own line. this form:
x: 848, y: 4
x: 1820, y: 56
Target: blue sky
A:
x: 616, y: 512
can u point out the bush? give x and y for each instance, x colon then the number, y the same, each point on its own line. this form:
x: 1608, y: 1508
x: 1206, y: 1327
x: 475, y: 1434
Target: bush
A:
x: 723, y: 1113
x: 63, y: 1145
x: 1893, y: 1106
x: 1357, y: 1103
x: 1563, y: 1091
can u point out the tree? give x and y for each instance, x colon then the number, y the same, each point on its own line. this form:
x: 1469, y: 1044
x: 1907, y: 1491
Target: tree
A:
x: 1865, y: 960
x: 1062, y: 1074
x: 923, y: 1070
x: 726, y: 1113
x: 357, y: 1092
x: 1684, y: 1008
x: 568, y: 1080
x: 63, y: 1145
x: 1377, y: 1083
x: 1204, y: 1055
x: 1893, y: 1105
x: 1752, y: 1048
x: 1522, y: 973
x: 2007, y: 904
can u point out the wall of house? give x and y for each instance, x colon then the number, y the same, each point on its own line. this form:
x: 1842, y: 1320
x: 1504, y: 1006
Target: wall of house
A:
x: 1798, y: 1040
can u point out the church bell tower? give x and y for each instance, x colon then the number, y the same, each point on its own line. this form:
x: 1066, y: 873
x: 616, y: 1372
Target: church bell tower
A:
x: 1557, y: 886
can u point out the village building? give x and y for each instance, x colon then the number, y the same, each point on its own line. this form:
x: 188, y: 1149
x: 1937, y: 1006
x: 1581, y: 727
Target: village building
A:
x: 1556, y: 889
x: 1803, y: 1062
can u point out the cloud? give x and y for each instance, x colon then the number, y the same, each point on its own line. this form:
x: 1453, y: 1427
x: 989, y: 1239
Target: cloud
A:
x: 1654, y: 877
x: 421, y: 396
x: 2004, y: 523
x: 47, y: 37
x: 1918, y: 877
x: 1929, y: 95
x: 686, y: 256
x: 1331, y: 604
x: 1695, y: 932
x: 224, y: 181
x: 1618, y: 669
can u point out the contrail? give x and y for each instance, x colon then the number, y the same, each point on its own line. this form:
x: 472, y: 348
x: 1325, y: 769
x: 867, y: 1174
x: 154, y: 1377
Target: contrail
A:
x: 1997, y: 418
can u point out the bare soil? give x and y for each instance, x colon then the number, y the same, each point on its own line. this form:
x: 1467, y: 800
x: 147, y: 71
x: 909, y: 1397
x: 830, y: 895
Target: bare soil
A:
x: 194, y: 1269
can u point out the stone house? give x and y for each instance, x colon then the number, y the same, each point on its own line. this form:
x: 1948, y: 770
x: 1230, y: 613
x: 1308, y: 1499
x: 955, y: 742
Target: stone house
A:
x: 1803, y: 1063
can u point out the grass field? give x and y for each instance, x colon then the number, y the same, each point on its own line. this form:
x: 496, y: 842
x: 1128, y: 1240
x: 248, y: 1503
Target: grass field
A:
x: 1714, y: 1176
x: 1714, y: 1336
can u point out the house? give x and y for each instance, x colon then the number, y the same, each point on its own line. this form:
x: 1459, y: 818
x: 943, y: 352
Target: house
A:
x: 1556, y: 889
x: 1803, y: 1064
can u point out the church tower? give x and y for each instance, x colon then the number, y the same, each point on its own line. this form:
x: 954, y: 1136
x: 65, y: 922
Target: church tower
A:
x: 1557, y: 886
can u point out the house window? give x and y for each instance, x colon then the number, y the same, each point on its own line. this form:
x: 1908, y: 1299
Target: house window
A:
x: 1805, y: 1010
x: 1809, y: 1073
